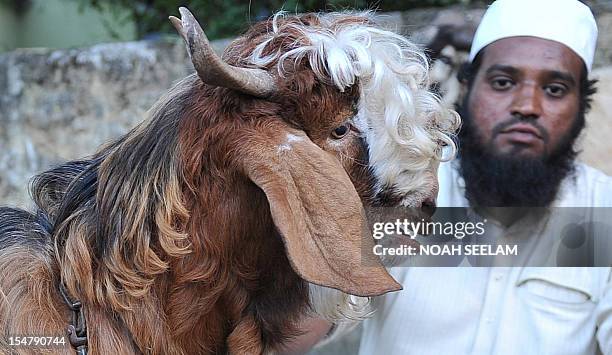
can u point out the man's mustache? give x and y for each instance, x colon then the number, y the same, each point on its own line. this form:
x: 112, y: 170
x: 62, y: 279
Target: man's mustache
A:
x: 497, y: 129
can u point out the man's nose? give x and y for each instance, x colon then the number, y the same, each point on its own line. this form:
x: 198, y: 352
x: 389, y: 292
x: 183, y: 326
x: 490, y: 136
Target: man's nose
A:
x: 527, y: 102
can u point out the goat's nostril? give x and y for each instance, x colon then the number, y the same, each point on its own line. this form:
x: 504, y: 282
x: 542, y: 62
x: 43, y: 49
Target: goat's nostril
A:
x: 428, y: 206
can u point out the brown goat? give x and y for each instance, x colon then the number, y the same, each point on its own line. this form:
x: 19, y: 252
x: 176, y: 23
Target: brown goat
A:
x: 237, y: 207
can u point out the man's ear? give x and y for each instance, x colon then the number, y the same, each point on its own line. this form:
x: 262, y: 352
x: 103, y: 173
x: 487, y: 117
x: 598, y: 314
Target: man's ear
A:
x: 316, y: 210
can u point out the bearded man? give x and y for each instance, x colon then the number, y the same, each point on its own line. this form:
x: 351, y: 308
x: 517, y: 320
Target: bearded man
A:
x: 527, y: 95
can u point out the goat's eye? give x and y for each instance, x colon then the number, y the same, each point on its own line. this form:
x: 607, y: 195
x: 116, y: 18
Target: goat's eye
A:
x: 341, y: 131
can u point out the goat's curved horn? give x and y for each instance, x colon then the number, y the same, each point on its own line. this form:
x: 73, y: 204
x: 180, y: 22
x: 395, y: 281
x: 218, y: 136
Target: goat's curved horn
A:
x: 212, y: 69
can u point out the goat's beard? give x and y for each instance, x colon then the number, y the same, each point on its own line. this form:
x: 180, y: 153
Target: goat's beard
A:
x: 343, y: 310
x: 495, y: 179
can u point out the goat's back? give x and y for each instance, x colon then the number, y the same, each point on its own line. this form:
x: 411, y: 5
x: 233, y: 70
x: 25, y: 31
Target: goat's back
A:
x: 22, y: 228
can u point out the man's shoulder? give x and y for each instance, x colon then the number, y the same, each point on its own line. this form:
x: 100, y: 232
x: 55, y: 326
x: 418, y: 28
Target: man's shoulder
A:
x: 587, y: 187
x: 592, y: 177
x: 593, y: 174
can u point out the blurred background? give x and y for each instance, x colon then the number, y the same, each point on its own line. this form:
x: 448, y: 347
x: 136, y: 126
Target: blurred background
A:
x: 69, y: 23
x: 75, y: 74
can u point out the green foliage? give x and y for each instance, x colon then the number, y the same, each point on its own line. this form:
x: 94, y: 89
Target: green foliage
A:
x: 19, y: 6
x: 413, y: 4
x: 224, y: 18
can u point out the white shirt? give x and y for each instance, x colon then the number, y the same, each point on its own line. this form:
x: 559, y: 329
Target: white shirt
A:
x: 500, y: 310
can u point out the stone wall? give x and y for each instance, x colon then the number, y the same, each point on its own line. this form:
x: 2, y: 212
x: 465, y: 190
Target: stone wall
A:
x: 57, y: 105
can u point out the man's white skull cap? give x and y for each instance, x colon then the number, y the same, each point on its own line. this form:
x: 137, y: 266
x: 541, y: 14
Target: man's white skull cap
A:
x: 569, y: 22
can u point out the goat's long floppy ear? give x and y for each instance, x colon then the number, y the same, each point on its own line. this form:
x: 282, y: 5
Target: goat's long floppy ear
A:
x: 317, y: 210
x: 212, y: 69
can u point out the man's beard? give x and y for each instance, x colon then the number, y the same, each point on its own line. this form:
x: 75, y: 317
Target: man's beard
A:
x: 507, y: 180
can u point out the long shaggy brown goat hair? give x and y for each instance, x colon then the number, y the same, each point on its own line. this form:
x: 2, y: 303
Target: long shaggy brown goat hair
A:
x: 236, y: 208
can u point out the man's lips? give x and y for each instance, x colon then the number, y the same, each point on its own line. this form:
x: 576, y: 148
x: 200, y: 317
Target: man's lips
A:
x: 522, y: 133
x: 523, y: 128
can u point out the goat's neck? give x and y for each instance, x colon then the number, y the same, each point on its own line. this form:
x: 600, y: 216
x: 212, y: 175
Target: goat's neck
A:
x: 225, y: 294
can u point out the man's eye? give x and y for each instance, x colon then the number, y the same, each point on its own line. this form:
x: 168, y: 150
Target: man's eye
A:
x: 555, y: 90
x: 501, y: 83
